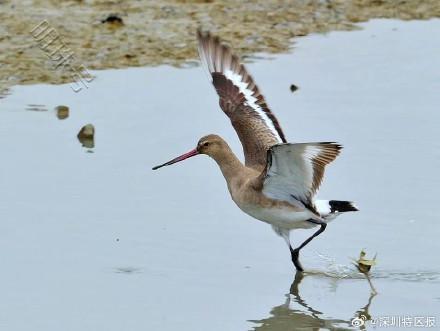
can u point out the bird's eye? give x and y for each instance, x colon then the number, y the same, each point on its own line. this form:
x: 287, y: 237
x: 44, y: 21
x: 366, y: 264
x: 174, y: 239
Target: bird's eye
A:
x: 206, y: 144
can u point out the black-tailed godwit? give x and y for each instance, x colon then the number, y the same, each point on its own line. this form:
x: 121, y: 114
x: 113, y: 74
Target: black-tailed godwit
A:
x: 279, y: 180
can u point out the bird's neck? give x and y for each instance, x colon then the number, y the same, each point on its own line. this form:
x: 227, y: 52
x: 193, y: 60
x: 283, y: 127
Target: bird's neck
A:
x: 229, y: 164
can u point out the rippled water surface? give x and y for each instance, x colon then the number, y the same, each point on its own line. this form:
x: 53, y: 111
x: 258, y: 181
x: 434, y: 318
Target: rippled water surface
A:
x: 92, y: 239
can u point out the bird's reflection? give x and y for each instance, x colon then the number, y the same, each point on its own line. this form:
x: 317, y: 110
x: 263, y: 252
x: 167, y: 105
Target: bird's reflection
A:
x: 284, y: 318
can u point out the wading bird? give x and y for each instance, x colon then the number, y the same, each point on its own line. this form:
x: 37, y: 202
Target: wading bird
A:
x: 279, y: 180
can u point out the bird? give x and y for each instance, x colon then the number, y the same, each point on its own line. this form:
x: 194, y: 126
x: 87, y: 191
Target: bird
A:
x: 278, y: 181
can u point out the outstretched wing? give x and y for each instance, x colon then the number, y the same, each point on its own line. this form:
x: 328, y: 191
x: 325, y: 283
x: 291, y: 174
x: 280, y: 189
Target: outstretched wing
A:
x: 295, y: 171
x: 240, y: 99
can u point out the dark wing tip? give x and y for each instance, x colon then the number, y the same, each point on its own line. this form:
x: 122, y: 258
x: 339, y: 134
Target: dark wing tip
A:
x: 333, y: 143
x: 338, y: 147
x: 332, y: 147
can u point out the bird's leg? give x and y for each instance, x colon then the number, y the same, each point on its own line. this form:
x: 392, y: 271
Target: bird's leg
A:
x: 295, y: 252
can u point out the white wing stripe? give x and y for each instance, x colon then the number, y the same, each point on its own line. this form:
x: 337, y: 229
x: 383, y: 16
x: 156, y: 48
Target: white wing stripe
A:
x: 237, y: 80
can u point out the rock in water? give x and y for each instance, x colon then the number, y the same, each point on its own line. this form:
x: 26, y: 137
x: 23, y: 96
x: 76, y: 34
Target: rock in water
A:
x: 87, y: 136
x: 62, y: 112
x: 293, y: 88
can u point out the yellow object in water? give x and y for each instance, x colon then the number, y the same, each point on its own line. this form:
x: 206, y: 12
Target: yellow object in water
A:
x: 364, y: 265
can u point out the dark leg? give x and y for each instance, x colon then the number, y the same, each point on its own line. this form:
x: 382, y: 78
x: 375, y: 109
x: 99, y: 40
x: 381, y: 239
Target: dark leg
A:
x: 295, y: 252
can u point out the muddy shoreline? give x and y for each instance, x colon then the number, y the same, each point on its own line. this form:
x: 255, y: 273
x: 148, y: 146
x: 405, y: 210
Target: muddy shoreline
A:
x: 109, y: 34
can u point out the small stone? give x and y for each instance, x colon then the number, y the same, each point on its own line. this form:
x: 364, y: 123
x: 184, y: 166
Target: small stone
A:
x: 87, y: 136
x: 293, y: 88
x: 113, y: 19
x: 62, y: 112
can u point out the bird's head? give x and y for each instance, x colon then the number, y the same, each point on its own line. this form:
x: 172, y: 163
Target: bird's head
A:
x: 211, y: 145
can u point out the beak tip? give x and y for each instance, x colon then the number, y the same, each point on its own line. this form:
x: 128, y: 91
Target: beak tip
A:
x: 177, y: 159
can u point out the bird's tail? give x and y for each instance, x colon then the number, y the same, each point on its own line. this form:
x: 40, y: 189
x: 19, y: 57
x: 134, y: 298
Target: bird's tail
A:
x: 329, y: 209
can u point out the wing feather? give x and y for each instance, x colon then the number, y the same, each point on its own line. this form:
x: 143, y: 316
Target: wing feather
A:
x: 241, y: 100
x: 295, y: 171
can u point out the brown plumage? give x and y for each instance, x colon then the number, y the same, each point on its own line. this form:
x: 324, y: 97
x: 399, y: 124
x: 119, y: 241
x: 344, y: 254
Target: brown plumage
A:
x: 279, y: 180
x: 252, y: 129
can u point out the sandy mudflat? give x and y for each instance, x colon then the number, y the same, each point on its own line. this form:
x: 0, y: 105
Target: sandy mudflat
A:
x: 163, y: 32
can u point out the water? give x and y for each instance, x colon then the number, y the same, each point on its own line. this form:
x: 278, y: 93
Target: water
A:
x: 92, y: 239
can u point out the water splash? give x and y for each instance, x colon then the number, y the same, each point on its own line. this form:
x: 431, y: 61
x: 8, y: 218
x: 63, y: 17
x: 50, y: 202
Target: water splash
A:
x: 348, y: 271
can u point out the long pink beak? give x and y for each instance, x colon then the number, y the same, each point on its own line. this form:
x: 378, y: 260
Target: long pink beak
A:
x: 194, y: 152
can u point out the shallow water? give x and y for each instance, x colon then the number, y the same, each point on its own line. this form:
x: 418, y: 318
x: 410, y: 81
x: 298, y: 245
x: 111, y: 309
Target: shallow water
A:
x: 98, y: 241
